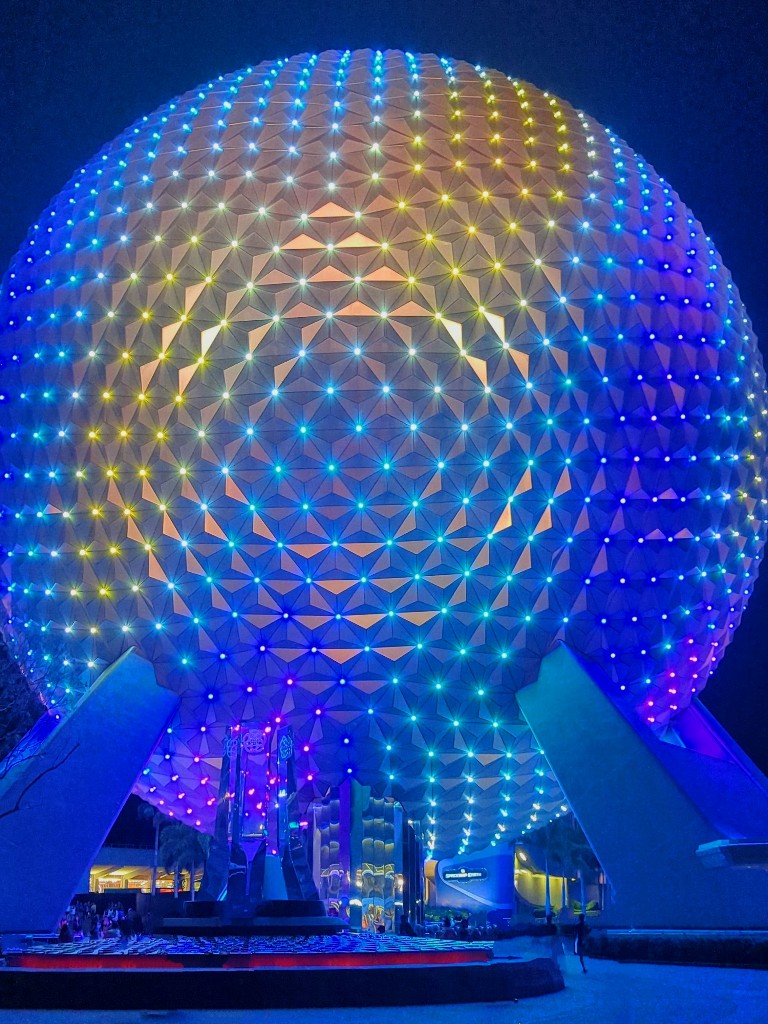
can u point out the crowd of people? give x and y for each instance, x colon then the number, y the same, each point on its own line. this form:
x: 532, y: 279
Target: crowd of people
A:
x: 460, y: 927
x: 82, y: 922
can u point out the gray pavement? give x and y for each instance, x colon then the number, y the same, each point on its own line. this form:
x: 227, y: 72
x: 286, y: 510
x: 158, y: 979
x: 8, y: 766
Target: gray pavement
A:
x: 610, y: 993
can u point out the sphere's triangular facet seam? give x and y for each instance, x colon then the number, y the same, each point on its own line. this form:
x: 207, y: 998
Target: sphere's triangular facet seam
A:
x: 347, y: 385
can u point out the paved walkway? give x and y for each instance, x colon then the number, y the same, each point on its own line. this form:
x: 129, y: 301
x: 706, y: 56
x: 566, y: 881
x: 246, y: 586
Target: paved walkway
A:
x: 609, y: 993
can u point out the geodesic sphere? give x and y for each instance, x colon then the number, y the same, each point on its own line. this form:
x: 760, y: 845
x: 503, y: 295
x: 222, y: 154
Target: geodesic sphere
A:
x: 346, y: 385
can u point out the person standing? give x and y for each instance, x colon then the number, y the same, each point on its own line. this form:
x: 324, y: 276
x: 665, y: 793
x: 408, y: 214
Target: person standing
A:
x: 581, y: 935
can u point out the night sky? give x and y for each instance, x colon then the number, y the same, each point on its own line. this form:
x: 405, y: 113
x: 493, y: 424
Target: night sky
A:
x: 683, y: 82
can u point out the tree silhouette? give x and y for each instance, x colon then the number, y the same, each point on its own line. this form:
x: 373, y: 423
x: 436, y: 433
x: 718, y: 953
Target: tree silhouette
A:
x: 560, y: 845
x: 146, y: 812
x: 20, y: 703
x: 182, y: 849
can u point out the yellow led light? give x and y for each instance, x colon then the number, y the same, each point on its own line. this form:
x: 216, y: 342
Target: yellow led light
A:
x: 321, y: 297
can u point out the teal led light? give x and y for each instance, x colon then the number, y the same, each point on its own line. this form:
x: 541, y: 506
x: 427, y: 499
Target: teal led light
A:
x: 361, y: 379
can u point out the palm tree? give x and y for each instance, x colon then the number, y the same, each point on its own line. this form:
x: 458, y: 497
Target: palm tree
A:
x: 559, y: 852
x: 146, y: 811
x: 562, y: 845
x: 581, y: 859
x: 575, y: 853
x: 182, y: 849
x: 538, y: 841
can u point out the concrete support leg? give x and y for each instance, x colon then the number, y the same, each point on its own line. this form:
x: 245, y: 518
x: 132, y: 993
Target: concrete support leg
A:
x: 648, y: 805
x: 60, y: 794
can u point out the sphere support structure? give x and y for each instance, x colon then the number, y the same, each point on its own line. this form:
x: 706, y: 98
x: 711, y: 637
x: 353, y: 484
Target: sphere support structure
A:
x: 653, y: 807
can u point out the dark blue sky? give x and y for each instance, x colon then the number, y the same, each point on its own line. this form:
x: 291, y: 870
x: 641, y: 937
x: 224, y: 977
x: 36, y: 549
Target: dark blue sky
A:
x: 683, y: 82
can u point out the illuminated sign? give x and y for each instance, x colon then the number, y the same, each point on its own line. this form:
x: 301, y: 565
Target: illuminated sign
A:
x: 463, y: 875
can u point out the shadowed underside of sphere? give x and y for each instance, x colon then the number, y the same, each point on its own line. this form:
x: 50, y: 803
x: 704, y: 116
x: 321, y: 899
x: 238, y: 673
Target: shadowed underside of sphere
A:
x: 346, y: 385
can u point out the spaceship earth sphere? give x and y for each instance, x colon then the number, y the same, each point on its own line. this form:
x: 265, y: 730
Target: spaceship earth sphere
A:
x: 346, y: 385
